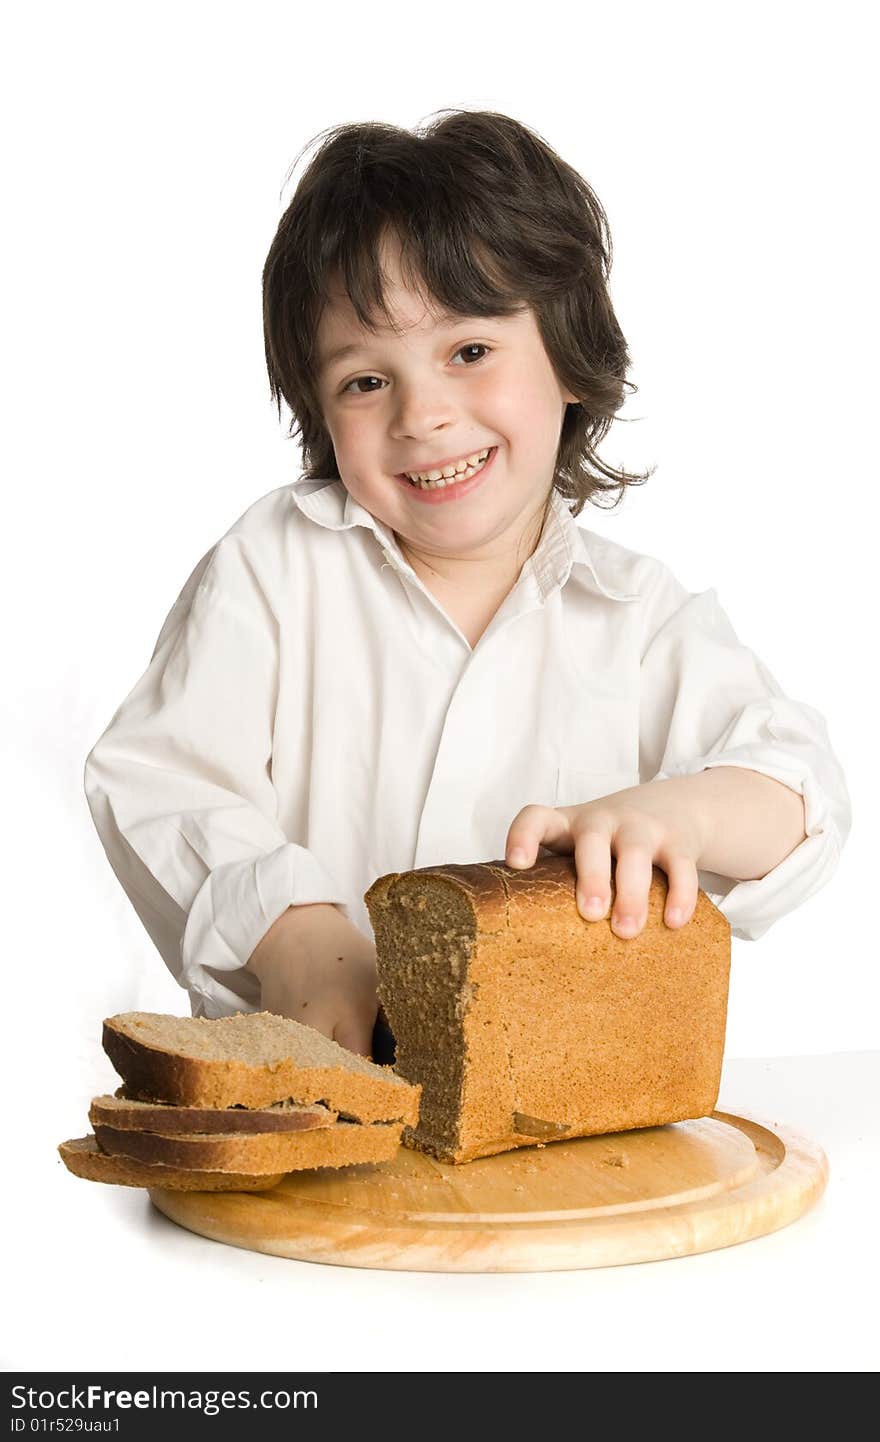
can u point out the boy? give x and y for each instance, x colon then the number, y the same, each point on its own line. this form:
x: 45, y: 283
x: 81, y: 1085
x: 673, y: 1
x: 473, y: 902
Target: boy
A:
x: 413, y: 655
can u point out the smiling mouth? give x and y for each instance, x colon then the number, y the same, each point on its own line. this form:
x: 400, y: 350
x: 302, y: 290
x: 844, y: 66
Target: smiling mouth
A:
x: 440, y: 481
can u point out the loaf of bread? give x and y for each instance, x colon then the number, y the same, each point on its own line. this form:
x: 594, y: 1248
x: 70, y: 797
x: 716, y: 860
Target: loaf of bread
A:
x: 251, y: 1060
x: 524, y: 1023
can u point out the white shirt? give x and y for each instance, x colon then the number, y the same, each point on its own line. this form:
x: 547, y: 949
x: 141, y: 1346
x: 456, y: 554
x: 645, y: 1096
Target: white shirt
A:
x: 312, y: 719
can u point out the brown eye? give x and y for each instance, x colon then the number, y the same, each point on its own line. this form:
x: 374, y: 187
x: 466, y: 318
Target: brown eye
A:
x: 473, y: 345
x: 356, y: 382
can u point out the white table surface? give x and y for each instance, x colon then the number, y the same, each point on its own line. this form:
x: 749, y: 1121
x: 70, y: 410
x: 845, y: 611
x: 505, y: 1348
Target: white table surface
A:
x: 96, y: 1278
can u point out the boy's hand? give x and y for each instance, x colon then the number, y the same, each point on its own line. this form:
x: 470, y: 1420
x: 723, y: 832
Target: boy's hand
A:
x: 641, y: 826
x: 313, y: 965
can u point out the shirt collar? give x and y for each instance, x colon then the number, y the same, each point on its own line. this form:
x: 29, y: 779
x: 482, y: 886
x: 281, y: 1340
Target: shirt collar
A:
x: 563, y: 544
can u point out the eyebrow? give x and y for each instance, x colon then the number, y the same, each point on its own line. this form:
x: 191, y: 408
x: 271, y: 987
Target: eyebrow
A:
x: 338, y: 354
x: 446, y: 317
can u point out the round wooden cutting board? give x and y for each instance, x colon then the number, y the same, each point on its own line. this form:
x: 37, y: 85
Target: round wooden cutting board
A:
x: 601, y: 1201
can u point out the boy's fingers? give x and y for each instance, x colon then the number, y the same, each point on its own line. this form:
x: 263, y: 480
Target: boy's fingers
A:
x: 533, y: 827
x: 355, y: 1032
x: 683, y: 889
x: 354, y: 1037
x: 592, y: 856
x: 632, y: 882
x: 310, y: 1014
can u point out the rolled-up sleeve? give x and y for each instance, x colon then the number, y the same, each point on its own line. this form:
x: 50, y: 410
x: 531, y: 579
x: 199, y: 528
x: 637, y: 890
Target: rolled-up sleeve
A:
x: 180, y: 790
x: 707, y: 700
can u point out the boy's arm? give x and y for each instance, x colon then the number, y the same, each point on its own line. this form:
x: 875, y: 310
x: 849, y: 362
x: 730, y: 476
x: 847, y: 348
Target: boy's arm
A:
x: 740, y: 783
x: 709, y: 702
x: 748, y: 822
x: 315, y: 966
x: 180, y: 790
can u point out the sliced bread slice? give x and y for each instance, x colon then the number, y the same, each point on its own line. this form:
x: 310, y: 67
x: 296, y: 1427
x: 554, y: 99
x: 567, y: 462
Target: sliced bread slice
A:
x: 130, y: 1115
x: 251, y: 1060
x: 343, y: 1144
x: 84, y: 1158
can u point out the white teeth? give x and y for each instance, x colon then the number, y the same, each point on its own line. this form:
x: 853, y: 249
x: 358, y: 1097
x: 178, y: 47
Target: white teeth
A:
x: 461, y: 471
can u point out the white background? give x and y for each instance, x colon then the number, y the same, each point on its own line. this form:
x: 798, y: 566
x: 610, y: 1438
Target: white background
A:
x: 147, y: 156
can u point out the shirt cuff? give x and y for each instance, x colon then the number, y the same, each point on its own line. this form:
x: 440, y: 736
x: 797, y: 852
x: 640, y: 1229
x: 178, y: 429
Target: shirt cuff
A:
x: 233, y: 910
x: 751, y: 907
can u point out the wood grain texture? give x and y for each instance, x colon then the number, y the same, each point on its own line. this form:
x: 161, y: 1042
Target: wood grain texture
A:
x: 600, y: 1201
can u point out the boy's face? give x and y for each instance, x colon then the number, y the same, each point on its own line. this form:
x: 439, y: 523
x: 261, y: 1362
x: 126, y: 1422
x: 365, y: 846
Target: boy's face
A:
x: 443, y: 390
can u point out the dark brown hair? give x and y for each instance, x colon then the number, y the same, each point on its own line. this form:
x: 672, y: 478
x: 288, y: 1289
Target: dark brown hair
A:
x: 489, y: 218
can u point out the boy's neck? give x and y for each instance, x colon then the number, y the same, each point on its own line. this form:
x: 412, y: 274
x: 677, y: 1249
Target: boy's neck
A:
x: 490, y: 573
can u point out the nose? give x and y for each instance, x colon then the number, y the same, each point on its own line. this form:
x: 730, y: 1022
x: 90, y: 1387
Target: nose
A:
x: 422, y: 407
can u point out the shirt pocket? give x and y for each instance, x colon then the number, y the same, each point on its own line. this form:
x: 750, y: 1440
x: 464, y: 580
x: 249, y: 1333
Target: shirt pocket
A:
x: 575, y: 786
